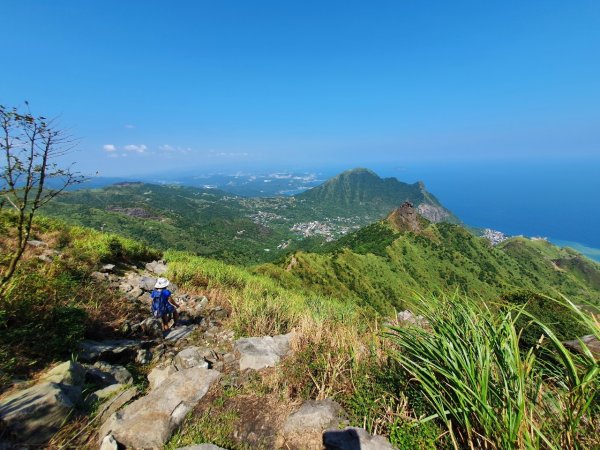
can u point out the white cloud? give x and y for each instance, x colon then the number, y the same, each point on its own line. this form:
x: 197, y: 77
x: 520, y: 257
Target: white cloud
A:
x: 166, y: 148
x: 129, y: 126
x: 135, y: 148
x: 109, y: 148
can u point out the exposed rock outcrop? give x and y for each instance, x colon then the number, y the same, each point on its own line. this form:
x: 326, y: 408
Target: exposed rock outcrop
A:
x: 149, y: 421
x: 260, y: 352
x: 304, y: 428
x: 33, y: 415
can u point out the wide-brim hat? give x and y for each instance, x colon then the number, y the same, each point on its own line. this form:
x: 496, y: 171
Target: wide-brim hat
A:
x: 161, y: 283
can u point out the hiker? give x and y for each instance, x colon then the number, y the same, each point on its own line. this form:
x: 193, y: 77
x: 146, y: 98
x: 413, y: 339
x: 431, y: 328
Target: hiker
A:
x: 163, y: 304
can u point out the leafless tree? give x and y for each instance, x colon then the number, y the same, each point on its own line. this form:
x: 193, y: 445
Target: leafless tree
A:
x: 30, y: 175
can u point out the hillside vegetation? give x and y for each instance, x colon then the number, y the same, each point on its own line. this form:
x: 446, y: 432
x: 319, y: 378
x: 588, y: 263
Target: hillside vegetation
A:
x: 242, y: 230
x: 347, y: 347
x: 383, y: 266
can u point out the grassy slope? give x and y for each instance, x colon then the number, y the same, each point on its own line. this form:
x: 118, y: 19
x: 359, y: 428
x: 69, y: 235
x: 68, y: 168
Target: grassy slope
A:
x: 383, y: 268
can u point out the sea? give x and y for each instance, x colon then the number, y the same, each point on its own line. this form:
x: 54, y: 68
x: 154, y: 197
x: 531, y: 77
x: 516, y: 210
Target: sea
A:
x: 557, y: 200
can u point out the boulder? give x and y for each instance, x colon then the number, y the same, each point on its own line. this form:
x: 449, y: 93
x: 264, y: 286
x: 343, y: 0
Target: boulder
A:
x: 105, y: 374
x: 407, y: 317
x: 192, y: 357
x: 113, y: 351
x: 352, y: 438
x: 105, y: 393
x: 177, y: 333
x: 157, y: 267
x: 135, y: 293
x: 109, y: 443
x: 160, y: 374
x: 149, y: 421
x: 143, y: 357
x: 147, y: 283
x: 113, y: 404
x: 152, y: 327
x: 260, y: 352
x: 304, y: 428
x: 33, y: 415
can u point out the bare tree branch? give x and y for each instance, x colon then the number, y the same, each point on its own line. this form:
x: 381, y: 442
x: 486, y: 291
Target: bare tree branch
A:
x: 29, y: 146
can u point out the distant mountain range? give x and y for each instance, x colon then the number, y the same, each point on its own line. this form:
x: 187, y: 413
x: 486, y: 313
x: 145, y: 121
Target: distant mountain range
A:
x: 240, y: 229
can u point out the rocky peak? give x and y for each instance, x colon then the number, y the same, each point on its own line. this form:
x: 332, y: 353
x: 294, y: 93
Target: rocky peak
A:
x: 406, y: 218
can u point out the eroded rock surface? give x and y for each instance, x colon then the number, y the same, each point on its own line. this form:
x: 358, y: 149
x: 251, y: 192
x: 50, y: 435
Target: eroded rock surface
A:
x: 33, y: 415
x: 260, y: 352
x: 304, y: 428
x: 149, y: 421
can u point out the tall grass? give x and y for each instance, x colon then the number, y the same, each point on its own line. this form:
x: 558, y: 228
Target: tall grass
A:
x: 487, y: 389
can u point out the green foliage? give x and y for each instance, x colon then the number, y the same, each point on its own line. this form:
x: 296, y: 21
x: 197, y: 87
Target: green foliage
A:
x: 489, y: 392
x: 235, y: 229
x: 377, y: 268
x: 50, y: 306
x: 373, y: 238
x: 563, y: 322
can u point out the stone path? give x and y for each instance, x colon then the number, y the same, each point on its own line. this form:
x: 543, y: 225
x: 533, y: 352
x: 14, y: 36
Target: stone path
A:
x: 186, y: 361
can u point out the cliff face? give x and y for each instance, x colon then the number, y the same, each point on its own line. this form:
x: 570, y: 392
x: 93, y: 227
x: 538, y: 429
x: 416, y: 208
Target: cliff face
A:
x: 433, y: 212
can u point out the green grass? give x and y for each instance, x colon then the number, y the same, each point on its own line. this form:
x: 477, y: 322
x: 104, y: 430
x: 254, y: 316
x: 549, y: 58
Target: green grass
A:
x: 490, y: 391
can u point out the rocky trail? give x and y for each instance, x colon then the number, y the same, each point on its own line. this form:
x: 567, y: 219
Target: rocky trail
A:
x: 172, y: 373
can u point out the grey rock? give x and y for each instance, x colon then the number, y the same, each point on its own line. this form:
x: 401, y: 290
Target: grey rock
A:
x: 229, y: 358
x: 352, y: 438
x: 109, y: 443
x: 191, y: 357
x: 149, y: 421
x: 407, y: 317
x: 144, y: 356
x: 304, y: 428
x: 156, y: 267
x: 103, y: 394
x: 135, y: 293
x: 322, y: 414
x: 160, y: 374
x: 113, y: 404
x: 177, y: 333
x: 98, y: 276
x: 33, y: 415
x: 113, y: 351
x: 147, y: 283
x: 260, y: 352
x: 107, y: 268
x: 106, y: 374
x: 68, y: 373
x: 36, y: 243
x: 125, y: 287
x: 152, y: 327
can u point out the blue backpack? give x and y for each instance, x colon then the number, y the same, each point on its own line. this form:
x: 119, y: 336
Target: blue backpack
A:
x: 159, y: 303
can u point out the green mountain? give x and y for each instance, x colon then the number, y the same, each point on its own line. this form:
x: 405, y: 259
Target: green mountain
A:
x: 243, y: 230
x: 364, y: 190
x: 385, y: 264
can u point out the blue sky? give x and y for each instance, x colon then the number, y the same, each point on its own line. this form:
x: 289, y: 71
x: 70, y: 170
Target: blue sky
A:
x: 204, y: 85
